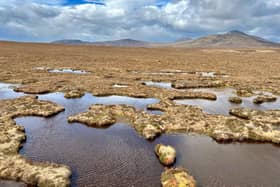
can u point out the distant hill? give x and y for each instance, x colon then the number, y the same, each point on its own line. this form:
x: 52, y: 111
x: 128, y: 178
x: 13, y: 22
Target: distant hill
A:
x: 183, y: 39
x: 123, y: 43
x: 117, y: 43
x: 71, y: 42
x: 232, y: 39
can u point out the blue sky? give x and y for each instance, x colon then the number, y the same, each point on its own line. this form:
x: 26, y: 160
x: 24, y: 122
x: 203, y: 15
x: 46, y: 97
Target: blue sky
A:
x: 102, y: 2
x: 150, y: 20
x: 158, y: 3
x: 75, y: 2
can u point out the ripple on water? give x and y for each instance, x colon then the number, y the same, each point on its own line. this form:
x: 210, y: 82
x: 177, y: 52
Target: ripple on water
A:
x: 116, y: 156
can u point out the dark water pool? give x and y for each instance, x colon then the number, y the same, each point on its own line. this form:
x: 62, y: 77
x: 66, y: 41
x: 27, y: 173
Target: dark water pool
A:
x: 227, y: 165
x: 117, y: 156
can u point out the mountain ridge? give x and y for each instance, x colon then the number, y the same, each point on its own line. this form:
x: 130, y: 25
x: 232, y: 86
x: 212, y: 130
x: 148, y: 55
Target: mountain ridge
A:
x: 127, y: 42
x: 231, y: 39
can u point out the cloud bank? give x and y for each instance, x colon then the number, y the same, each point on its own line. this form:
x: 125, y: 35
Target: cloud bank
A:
x: 150, y: 20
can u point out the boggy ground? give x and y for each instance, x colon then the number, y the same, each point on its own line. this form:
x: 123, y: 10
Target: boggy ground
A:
x: 244, y: 70
x: 12, y: 165
x: 249, y: 124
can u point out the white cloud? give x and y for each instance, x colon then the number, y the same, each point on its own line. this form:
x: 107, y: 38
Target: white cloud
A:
x: 35, y: 20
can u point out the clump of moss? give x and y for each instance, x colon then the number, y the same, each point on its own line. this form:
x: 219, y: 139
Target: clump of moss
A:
x: 177, y: 177
x: 76, y: 93
x: 166, y: 154
x: 264, y: 98
x: 236, y: 100
x: 93, y: 118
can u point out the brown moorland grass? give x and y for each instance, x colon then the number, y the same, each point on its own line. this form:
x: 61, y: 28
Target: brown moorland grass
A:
x: 246, y: 68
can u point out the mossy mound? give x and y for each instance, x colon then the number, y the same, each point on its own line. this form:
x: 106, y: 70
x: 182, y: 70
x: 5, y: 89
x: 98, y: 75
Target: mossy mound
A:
x: 236, y: 100
x: 177, y: 177
x: 166, y: 154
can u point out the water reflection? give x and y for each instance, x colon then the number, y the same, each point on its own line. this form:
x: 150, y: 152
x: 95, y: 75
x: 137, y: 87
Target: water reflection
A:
x: 120, y: 86
x: 206, y: 74
x: 166, y: 85
x: 222, y: 105
x: 82, y: 104
x: 6, y: 91
x: 67, y: 70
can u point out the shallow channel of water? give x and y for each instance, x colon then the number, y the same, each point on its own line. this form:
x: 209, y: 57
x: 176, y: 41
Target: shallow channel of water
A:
x: 120, y: 86
x: 82, y: 104
x: 206, y: 74
x: 165, y: 85
x: 222, y: 105
x: 67, y: 70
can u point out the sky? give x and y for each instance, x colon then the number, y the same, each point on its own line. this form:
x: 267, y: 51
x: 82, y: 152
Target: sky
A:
x: 149, y: 20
